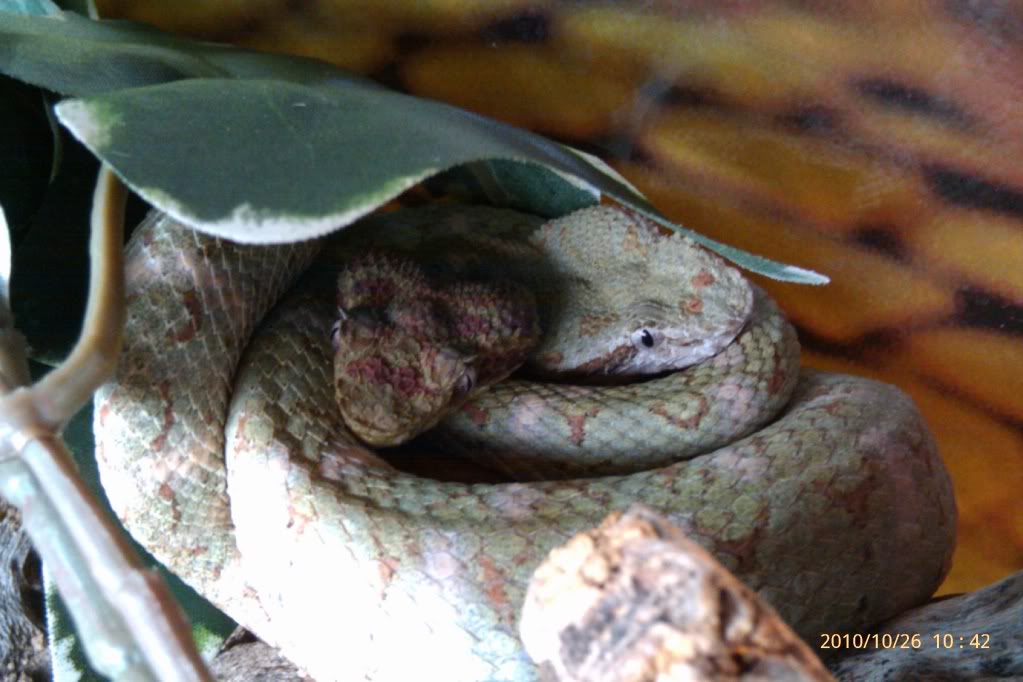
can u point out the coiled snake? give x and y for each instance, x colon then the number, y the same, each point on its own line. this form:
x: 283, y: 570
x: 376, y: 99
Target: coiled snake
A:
x: 838, y: 510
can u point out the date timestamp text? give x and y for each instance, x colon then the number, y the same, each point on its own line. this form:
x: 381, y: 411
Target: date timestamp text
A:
x: 902, y: 640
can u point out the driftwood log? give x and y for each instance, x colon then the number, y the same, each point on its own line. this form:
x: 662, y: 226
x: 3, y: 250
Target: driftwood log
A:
x: 243, y: 658
x: 975, y: 636
x: 635, y: 600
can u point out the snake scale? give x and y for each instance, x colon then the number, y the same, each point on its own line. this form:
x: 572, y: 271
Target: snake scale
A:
x: 224, y: 454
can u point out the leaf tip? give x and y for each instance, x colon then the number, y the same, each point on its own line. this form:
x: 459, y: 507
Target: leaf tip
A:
x: 804, y: 276
x: 86, y: 122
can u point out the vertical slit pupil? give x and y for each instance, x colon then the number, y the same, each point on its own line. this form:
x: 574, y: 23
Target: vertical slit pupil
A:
x: 647, y: 339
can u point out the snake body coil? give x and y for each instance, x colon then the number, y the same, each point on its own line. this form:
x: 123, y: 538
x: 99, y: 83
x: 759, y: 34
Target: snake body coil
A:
x: 225, y: 456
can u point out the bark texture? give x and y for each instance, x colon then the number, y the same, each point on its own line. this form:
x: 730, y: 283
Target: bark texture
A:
x: 635, y: 600
x: 974, y: 636
x: 247, y: 659
x: 23, y: 652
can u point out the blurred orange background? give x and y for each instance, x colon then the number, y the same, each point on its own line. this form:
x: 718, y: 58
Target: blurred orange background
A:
x: 877, y: 142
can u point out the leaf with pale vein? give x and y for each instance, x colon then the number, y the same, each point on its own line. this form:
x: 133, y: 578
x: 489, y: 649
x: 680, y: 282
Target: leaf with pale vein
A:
x: 354, y: 147
x: 270, y: 161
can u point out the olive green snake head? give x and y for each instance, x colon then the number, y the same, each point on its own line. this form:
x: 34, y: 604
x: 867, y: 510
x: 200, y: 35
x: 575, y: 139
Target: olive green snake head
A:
x: 621, y: 298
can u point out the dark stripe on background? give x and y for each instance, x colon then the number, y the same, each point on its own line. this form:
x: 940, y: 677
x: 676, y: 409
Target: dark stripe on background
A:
x: 811, y: 119
x: 985, y: 310
x: 970, y: 191
x: 913, y: 100
x: 530, y: 27
x: 883, y: 239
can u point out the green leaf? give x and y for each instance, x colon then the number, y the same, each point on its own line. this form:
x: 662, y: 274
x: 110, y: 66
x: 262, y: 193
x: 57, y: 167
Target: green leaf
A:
x: 70, y: 54
x: 73, y: 55
x: 29, y: 7
x: 87, y: 8
x: 268, y: 149
x: 512, y: 184
x: 270, y: 161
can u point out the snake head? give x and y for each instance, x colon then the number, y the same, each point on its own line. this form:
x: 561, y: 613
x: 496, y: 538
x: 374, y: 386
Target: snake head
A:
x: 392, y: 382
x: 410, y: 348
x: 632, y: 301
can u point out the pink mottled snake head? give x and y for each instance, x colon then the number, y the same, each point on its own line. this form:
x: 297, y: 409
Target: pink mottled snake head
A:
x: 391, y: 384
x: 410, y: 350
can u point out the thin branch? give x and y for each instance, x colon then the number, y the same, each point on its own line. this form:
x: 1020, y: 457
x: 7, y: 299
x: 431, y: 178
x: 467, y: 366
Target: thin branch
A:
x: 62, y: 392
x: 129, y: 624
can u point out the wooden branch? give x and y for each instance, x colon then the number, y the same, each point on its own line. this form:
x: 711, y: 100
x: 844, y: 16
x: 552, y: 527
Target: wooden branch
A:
x: 130, y: 626
x: 635, y: 600
x: 62, y: 392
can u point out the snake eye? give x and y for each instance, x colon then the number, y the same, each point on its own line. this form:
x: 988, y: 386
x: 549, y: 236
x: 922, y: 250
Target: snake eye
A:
x: 466, y: 383
x: 335, y: 329
x: 644, y: 338
x: 335, y: 334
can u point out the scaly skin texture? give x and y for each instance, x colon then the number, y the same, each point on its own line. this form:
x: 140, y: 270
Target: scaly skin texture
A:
x: 533, y: 431
x: 619, y: 301
x: 602, y: 276
x: 408, y: 348
x: 839, y: 512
